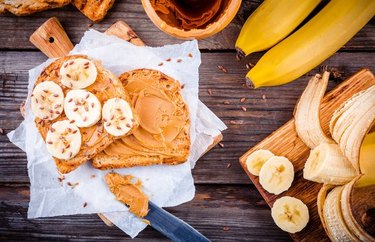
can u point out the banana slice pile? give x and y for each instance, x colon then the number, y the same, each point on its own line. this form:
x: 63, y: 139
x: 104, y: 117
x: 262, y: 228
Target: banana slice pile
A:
x: 276, y: 175
x: 81, y: 108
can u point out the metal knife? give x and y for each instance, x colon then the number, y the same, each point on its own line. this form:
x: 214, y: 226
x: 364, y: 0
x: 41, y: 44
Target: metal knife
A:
x: 171, y: 226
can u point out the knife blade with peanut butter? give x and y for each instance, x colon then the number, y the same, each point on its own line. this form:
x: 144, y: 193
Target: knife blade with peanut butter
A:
x: 127, y: 189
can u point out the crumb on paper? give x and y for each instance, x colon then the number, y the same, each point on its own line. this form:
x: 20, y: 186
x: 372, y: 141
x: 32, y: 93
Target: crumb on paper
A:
x: 72, y: 185
x: 168, y: 60
x: 85, y: 204
x: 178, y: 60
x: 93, y: 176
x: 160, y: 64
x: 190, y: 55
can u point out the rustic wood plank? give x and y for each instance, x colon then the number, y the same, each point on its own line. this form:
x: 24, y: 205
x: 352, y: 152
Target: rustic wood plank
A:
x: 285, y: 142
x: 16, y: 30
x: 221, y: 213
x: 262, y: 117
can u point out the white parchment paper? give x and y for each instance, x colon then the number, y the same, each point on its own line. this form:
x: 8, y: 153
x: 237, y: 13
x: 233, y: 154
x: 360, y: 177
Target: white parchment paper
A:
x: 165, y: 185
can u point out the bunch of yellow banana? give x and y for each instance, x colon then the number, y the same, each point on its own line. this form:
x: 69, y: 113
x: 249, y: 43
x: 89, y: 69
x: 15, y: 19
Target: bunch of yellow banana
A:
x: 278, y: 18
x: 310, y: 45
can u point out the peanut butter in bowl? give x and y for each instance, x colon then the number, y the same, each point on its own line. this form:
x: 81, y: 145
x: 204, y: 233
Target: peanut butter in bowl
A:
x: 189, y: 19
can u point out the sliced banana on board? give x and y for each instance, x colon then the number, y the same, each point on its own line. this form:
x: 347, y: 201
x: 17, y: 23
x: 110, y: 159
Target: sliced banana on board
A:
x: 82, y: 108
x: 327, y: 164
x: 256, y: 160
x: 290, y: 214
x: 117, y: 116
x: 63, y: 140
x: 78, y: 73
x: 47, y: 100
x: 276, y: 175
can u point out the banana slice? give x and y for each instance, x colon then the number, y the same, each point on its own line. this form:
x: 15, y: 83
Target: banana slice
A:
x: 82, y: 108
x: 327, y: 164
x: 47, y: 100
x: 117, y: 116
x: 64, y: 140
x: 255, y: 160
x: 290, y: 214
x: 276, y: 175
x: 78, y: 73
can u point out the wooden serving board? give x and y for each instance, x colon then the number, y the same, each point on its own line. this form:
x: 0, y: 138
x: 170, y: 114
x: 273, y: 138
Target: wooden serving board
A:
x: 53, y: 41
x: 285, y: 142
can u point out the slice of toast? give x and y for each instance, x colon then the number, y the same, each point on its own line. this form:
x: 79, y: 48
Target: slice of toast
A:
x: 144, y: 147
x: 26, y: 7
x: 93, y: 9
x: 95, y: 138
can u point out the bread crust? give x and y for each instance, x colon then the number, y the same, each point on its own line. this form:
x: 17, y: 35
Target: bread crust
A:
x: 95, y: 10
x: 26, y: 7
x: 95, y: 138
x: 138, y: 155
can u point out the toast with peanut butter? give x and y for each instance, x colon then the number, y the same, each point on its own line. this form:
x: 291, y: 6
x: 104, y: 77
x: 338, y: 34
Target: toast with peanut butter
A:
x: 163, y: 134
x: 26, y: 7
x: 93, y: 9
x: 80, y: 109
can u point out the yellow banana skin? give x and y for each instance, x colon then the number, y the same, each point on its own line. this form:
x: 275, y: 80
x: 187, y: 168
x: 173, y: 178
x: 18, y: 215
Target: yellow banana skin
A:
x: 314, y: 42
x: 271, y: 22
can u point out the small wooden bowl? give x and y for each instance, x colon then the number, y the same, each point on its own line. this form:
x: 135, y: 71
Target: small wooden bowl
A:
x: 225, y: 17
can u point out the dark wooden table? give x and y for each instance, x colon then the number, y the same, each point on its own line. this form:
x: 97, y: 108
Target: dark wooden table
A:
x: 226, y: 207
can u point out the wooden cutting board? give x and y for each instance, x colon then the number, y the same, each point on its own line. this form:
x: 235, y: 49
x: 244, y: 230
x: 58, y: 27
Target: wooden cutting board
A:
x: 53, y: 41
x: 285, y: 142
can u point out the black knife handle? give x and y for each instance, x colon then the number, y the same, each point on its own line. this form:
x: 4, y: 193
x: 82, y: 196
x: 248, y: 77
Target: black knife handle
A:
x: 171, y: 226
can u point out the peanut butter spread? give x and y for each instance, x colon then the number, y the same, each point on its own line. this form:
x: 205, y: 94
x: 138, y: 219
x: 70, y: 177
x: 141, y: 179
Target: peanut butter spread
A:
x: 127, y: 190
x: 94, y: 138
x: 164, y: 124
x: 188, y: 14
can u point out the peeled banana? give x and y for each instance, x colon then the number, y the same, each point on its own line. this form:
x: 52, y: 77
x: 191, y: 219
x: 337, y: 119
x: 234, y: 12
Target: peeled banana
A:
x: 327, y: 164
x: 314, y: 42
x: 271, y: 22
